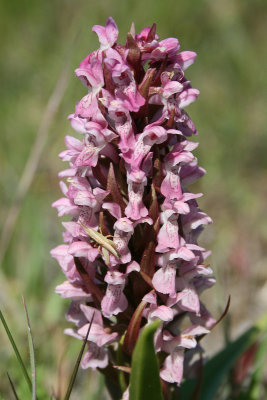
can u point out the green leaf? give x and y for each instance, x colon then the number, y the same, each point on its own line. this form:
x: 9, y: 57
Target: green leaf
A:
x: 220, y: 365
x: 144, y: 379
x: 16, y: 351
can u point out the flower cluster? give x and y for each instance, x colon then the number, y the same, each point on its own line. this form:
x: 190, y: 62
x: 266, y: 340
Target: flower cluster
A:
x: 131, y: 253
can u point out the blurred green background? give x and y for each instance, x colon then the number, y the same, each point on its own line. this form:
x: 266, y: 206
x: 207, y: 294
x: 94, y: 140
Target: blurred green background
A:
x: 41, y: 42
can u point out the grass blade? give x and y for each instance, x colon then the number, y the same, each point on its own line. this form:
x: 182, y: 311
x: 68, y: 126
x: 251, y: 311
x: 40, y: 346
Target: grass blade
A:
x: 77, y: 364
x: 12, y: 387
x: 16, y: 351
x: 31, y: 349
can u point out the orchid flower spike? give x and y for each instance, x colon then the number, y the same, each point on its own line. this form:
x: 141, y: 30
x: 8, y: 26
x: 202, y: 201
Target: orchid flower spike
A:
x: 131, y: 240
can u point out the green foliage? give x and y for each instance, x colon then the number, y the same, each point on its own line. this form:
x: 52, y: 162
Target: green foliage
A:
x: 217, y: 368
x: 144, y: 379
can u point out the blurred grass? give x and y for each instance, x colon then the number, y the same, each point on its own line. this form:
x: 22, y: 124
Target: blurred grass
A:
x: 230, y: 71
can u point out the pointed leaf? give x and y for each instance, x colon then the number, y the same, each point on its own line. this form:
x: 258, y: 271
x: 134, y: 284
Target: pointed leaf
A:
x: 99, y: 175
x: 121, y: 178
x: 157, y: 174
x: 132, y: 30
x: 147, y: 264
x: 151, y: 33
x: 144, y: 378
x: 144, y: 86
x: 153, y: 211
x: 133, y: 329
x: 134, y: 53
x: 102, y: 224
x: 113, y: 188
x: 219, y: 366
